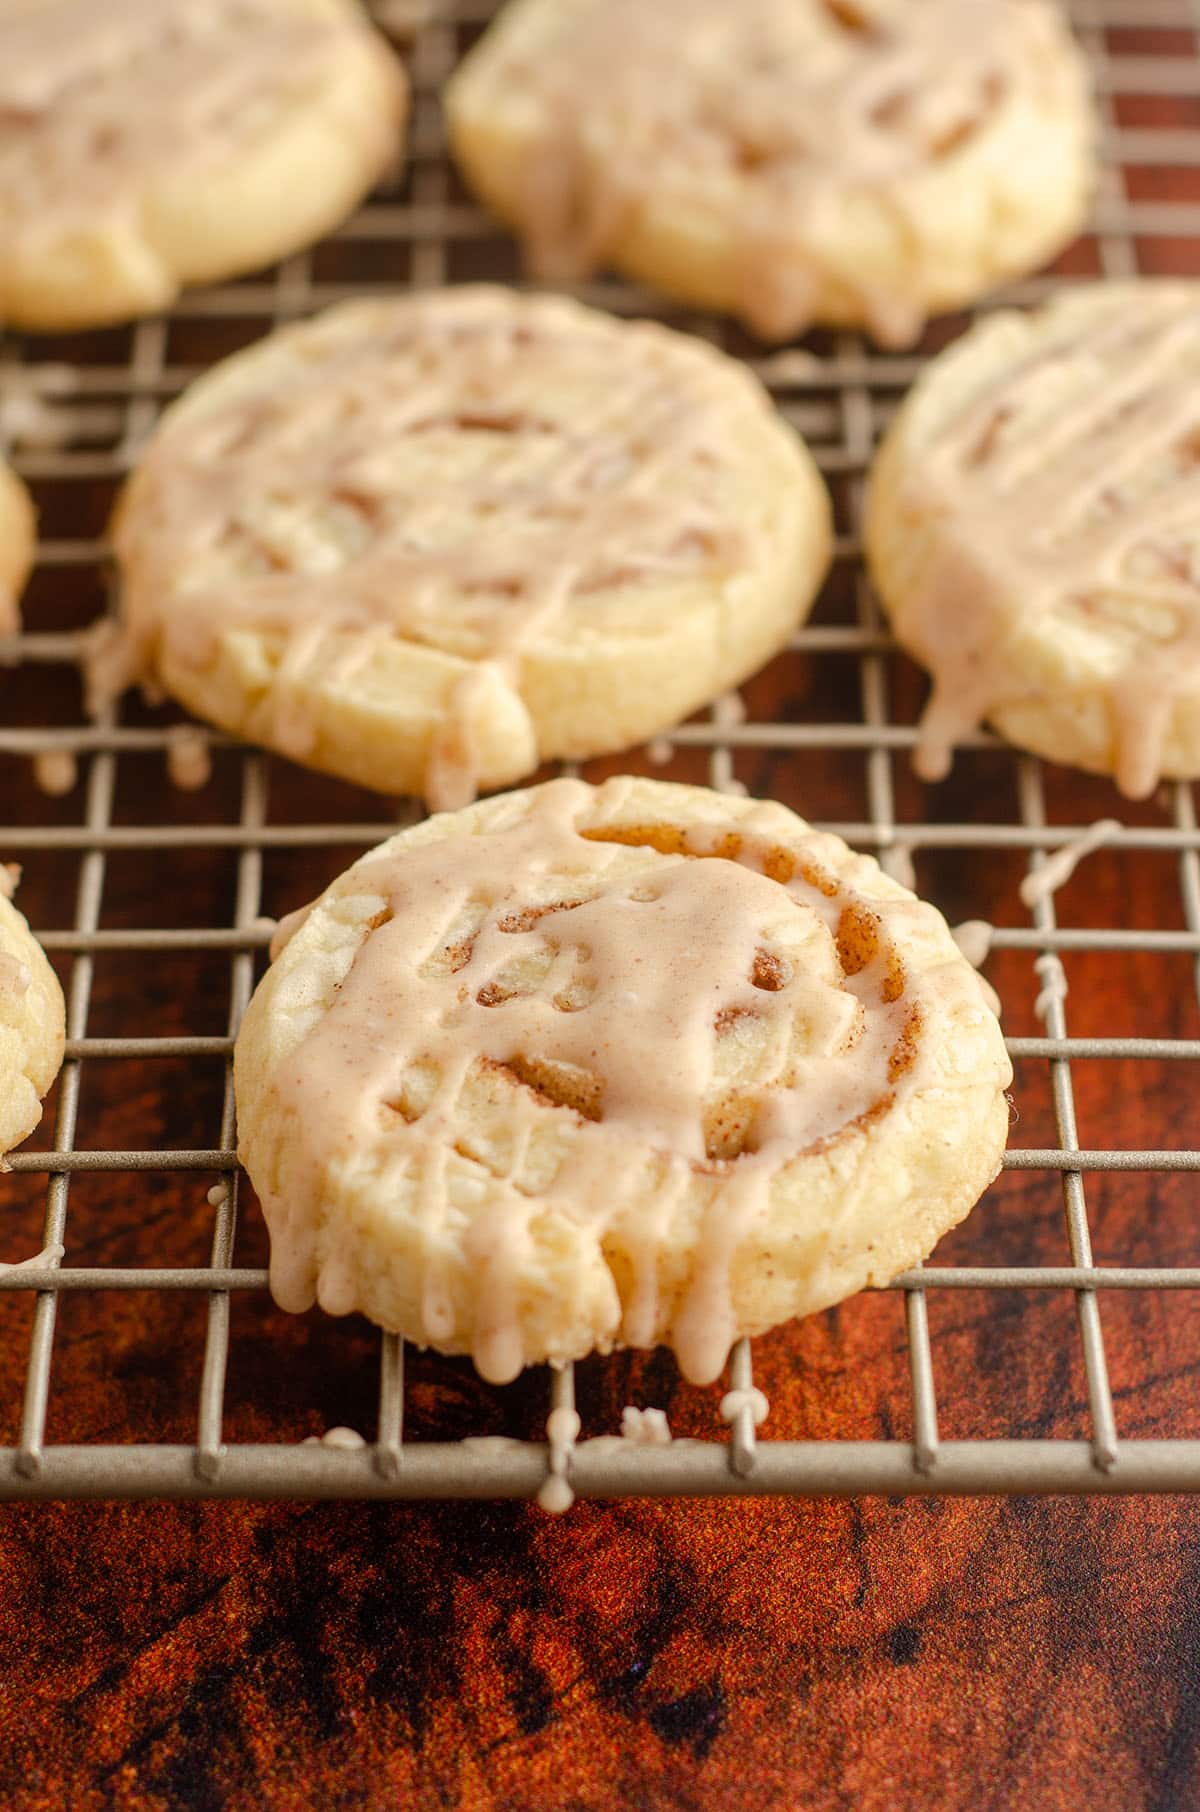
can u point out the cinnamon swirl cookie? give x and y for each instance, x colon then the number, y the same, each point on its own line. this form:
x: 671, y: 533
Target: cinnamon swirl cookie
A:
x: 855, y: 162
x: 580, y: 1067
x: 17, y: 538
x: 1034, y: 530
x: 153, y: 143
x: 428, y: 542
x: 31, y: 1023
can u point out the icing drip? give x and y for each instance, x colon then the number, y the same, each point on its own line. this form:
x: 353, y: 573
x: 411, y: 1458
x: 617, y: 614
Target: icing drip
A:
x: 974, y: 939
x: 562, y: 1432
x: 41, y: 1261
x: 95, y: 98
x: 1054, y: 984
x: 897, y: 860
x: 456, y: 471
x: 55, y: 771
x: 1057, y: 869
x: 645, y: 1427
x: 10, y: 879
x: 347, y: 1439
x: 188, y: 761
x: 779, y: 114
x: 735, y: 1401
x: 1067, y: 488
x: 450, y: 769
x: 545, y: 957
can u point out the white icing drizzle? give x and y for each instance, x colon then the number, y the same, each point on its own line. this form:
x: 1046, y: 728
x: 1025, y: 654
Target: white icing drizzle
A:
x: 512, y: 952
x: 1057, y: 869
x: 735, y: 1401
x: 1067, y: 488
x: 55, y: 771
x: 96, y: 97
x: 347, y: 1439
x: 188, y: 760
x: 454, y: 470
x: 780, y: 114
x: 645, y: 1427
x: 660, y: 751
x: 974, y: 939
x: 1054, y: 984
x: 562, y: 1432
x: 10, y: 879
x: 218, y: 1195
x: 41, y: 1261
x: 897, y: 860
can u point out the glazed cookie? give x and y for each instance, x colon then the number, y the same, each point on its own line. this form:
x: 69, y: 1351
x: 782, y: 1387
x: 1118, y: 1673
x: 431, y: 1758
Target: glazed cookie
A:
x: 852, y: 162
x: 429, y: 542
x: 18, y: 529
x: 31, y: 1024
x: 1033, y: 528
x: 580, y: 1067
x: 148, y: 145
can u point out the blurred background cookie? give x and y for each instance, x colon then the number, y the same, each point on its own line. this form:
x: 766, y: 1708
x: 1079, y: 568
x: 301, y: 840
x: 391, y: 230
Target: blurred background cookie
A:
x: 1033, y: 529
x: 426, y: 543
x: 863, y: 163
x: 18, y: 529
x: 148, y: 144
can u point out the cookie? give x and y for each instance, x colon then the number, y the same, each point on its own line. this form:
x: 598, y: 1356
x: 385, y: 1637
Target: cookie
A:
x: 1033, y: 528
x: 148, y: 145
x: 31, y: 1024
x: 579, y: 1068
x: 427, y: 543
x: 859, y: 163
x: 18, y: 534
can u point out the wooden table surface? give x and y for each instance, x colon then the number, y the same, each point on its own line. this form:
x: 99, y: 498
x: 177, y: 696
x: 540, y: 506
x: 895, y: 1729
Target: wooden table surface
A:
x: 878, y: 1654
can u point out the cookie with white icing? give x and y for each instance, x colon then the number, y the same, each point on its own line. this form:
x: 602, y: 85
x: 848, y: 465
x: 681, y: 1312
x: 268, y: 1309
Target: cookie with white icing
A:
x: 578, y: 1068
x: 1033, y: 527
x: 18, y: 532
x: 849, y: 162
x: 31, y: 1024
x: 148, y: 144
x: 429, y: 542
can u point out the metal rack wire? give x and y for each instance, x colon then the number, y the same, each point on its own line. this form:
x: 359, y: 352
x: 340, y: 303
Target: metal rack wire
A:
x: 425, y: 233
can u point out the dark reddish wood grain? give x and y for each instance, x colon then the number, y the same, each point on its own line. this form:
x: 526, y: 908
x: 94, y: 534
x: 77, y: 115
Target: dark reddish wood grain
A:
x: 877, y: 1655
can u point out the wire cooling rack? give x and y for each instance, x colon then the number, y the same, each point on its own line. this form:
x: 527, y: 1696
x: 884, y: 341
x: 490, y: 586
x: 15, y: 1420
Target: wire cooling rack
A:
x: 828, y: 728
